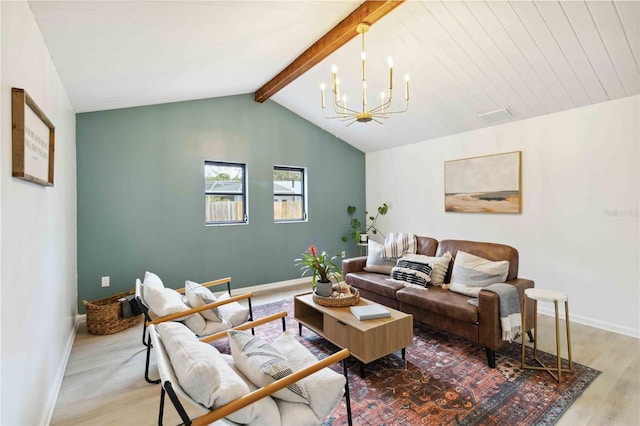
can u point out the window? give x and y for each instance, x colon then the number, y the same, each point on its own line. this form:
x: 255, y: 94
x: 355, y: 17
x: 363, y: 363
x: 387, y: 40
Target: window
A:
x: 289, y: 189
x: 225, y: 192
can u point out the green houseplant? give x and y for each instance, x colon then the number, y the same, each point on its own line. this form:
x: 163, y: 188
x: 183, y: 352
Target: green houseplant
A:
x: 358, y: 228
x: 322, y: 268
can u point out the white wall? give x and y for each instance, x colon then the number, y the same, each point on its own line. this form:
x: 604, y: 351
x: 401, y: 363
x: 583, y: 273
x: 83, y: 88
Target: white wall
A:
x: 38, y: 241
x: 578, y: 231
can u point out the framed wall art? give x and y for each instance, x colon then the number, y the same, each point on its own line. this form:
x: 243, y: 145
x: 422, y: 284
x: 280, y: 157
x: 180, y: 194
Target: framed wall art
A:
x: 32, y: 140
x: 487, y: 184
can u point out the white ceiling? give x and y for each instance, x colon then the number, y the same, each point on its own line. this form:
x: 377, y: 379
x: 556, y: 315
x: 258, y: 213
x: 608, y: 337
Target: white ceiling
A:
x: 463, y: 57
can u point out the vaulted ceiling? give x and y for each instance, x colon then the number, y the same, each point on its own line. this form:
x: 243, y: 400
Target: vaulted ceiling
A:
x: 464, y: 58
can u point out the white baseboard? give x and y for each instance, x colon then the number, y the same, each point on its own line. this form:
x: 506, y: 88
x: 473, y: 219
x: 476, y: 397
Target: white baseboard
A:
x: 62, y: 367
x: 258, y: 290
x: 603, y: 325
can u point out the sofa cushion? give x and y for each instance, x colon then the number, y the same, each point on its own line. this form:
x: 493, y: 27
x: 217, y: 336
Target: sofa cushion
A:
x: 375, y: 283
x: 375, y: 261
x: 426, y: 246
x: 441, y: 301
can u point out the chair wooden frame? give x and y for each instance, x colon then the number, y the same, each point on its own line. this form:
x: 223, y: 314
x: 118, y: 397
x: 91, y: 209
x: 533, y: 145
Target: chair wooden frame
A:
x: 148, y: 320
x: 171, y: 387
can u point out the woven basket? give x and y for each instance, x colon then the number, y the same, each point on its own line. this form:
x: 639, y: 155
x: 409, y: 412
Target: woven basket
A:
x: 103, y: 316
x: 338, y: 302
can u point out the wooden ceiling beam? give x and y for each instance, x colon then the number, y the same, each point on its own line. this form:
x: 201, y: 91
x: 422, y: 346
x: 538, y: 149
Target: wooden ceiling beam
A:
x: 369, y: 12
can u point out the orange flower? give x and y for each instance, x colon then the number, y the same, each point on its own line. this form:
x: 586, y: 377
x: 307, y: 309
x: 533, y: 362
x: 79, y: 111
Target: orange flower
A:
x: 312, y: 250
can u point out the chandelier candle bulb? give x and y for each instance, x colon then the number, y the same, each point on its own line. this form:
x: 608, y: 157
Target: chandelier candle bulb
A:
x: 406, y: 87
x: 390, y: 75
x: 322, y: 91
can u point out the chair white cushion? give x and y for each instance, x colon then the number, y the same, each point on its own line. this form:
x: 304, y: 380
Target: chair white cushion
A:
x: 192, y: 362
x: 198, y: 295
x: 233, y: 313
x: 205, y: 375
x: 263, y: 364
x: 296, y: 413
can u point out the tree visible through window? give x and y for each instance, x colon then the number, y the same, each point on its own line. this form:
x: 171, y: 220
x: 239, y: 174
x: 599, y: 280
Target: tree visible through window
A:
x: 289, y: 189
x: 225, y: 192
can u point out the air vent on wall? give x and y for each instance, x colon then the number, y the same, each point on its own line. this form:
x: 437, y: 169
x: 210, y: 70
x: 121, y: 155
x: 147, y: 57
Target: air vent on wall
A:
x: 495, y: 116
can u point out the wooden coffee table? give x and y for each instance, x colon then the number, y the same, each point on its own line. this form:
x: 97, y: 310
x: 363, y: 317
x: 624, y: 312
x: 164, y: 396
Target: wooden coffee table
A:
x: 367, y: 340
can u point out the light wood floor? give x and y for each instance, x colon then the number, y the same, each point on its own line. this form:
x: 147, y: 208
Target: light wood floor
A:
x: 104, y: 383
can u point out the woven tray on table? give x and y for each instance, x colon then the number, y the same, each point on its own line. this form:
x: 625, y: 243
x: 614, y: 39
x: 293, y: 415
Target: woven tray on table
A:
x: 104, y: 315
x: 338, y: 302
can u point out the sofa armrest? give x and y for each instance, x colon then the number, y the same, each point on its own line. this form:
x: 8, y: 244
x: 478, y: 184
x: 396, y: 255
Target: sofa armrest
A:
x: 490, y: 330
x: 354, y: 264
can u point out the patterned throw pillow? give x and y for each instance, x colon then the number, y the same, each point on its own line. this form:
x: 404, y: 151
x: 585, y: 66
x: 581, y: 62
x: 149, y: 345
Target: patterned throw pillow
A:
x: 263, y: 364
x: 411, y: 273
x: 439, y: 265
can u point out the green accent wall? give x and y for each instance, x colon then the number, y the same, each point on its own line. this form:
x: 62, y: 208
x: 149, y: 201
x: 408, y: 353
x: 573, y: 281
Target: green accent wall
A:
x: 141, y: 197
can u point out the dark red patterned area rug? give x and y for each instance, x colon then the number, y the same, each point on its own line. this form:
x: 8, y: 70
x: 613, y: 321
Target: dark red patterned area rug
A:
x: 446, y: 382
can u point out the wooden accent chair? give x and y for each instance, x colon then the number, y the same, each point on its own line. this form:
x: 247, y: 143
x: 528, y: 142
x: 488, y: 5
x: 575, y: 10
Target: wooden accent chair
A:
x: 226, y: 307
x: 194, y: 372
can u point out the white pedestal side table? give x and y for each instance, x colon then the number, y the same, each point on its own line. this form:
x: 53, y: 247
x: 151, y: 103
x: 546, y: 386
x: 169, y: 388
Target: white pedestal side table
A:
x: 544, y: 295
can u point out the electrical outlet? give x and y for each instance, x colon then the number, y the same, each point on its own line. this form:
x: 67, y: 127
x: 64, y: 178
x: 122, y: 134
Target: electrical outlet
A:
x: 105, y: 281
x: 344, y: 254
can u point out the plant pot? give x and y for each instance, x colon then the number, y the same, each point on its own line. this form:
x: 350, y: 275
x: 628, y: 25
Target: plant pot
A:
x: 324, y: 289
x: 364, y: 238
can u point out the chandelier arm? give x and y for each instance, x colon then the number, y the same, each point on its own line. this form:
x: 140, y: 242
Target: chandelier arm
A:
x: 341, y: 109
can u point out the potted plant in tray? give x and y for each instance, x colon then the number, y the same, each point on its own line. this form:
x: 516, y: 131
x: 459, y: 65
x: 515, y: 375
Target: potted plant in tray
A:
x: 323, y: 269
x: 360, y: 232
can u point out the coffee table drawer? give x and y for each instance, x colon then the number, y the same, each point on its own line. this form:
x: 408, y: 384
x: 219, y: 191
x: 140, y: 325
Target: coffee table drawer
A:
x: 336, y: 331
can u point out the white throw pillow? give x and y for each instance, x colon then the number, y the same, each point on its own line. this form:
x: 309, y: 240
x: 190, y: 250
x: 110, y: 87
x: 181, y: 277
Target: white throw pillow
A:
x: 472, y: 273
x: 198, y: 295
x: 263, y: 364
x: 375, y: 261
x: 162, y: 301
x: 233, y: 313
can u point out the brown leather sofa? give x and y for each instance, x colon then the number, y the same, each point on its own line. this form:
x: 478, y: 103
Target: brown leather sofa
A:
x: 441, y: 308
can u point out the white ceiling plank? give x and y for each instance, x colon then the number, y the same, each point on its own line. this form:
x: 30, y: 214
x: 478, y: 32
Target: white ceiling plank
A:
x: 432, y: 41
x: 614, y: 38
x: 513, y: 53
x: 544, y: 39
x: 491, y: 50
x: 532, y: 53
x: 567, y: 39
x: 477, y: 64
x: 590, y: 40
x: 629, y: 14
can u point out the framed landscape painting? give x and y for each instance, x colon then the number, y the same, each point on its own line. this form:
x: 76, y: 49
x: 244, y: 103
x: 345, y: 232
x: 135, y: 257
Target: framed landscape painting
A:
x: 487, y: 184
